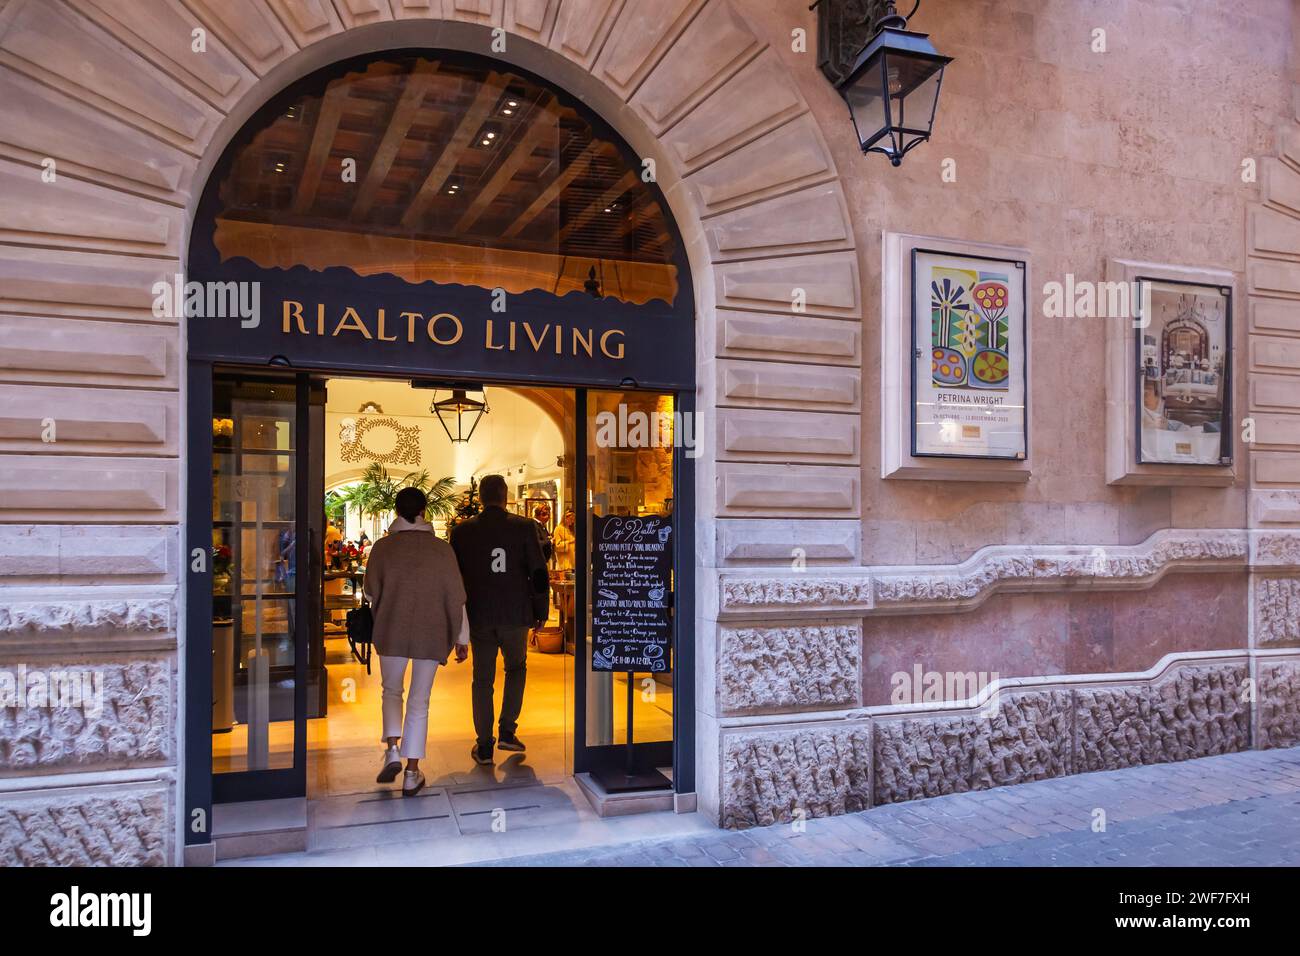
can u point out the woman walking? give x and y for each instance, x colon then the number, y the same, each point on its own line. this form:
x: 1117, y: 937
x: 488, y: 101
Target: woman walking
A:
x: 418, y: 599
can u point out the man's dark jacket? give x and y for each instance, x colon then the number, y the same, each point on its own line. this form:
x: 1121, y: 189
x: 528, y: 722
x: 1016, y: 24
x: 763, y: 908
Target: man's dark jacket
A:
x: 516, y: 597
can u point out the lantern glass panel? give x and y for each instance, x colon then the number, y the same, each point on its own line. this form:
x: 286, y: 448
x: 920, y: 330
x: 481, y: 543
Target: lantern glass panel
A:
x: 913, y: 91
x: 867, y: 103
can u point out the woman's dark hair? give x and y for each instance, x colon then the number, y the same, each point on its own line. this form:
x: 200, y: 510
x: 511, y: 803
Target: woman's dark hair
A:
x: 410, y: 503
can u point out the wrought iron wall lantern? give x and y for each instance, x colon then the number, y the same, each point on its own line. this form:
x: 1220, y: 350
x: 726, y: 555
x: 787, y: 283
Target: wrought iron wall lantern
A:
x: 459, y: 413
x: 892, y: 83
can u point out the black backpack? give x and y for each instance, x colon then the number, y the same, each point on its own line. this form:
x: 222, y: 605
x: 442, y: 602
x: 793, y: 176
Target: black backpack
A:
x: 361, y: 632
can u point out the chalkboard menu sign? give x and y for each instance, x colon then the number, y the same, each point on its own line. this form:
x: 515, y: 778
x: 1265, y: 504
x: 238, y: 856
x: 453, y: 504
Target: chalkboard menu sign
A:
x: 631, y: 567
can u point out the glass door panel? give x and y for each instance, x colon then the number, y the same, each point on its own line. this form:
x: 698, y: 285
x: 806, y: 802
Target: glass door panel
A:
x: 255, y: 581
x: 629, y: 473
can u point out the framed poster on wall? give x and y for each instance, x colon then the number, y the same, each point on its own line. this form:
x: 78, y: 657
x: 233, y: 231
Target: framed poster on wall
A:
x: 969, y: 388
x: 1184, y: 390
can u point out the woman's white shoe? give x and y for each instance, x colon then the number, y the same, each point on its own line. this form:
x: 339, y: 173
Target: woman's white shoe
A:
x: 412, y: 782
x: 391, y: 766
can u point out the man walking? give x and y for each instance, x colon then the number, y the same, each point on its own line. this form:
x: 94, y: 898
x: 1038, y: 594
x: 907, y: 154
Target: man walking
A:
x: 507, y: 592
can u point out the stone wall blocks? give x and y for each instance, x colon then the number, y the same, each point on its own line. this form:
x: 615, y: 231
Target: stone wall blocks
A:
x: 641, y: 36
x: 753, y: 434
x: 788, y: 158
x: 50, y: 488
x: 779, y: 775
x: 74, y: 352
x: 1277, y: 612
x: 582, y: 28
x: 786, y: 339
x: 249, y: 28
x: 825, y: 284
x: 815, y: 219
x: 1278, y: 684
x: 162, y: 31
x: 54, y: 45
x: 39, y: 123
x: 72, y: 213
x: 788, y: 386
x: 56, y: 420
x: 110, y: 825
x: 789, y: 667
x: 759, y: 98
x: 88, y: 553
x: 99, y: 716
x: 715, y: 44
x: 1027, y: 738
x: 86, y: 284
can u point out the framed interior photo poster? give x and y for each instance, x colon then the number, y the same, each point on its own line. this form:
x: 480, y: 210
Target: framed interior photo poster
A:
x: 1184, y: 350
x: 969, y: 391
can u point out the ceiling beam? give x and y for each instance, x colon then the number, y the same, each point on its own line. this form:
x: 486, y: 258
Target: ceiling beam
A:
x: 322, y: 140
x: 553, y: 190
x: 596, y: 208
x: 542, y: 124
x: 404, y: 115
x: 473, y: 118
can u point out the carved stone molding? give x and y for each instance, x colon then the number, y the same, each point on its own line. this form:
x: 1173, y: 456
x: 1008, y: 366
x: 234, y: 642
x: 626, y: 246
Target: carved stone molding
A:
x: 789, y: 668
x: 1277, y: 611
x: 807, y: 592
x: 38, y: 619
x: 895, y: 590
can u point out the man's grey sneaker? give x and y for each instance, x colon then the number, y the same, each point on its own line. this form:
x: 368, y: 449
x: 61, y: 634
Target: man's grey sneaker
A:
x: 391, y: 766
x: 481, y: 755
x: 511, y: 743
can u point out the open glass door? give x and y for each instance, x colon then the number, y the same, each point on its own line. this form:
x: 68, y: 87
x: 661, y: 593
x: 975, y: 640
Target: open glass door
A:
x: 629, y: 548
x: 258, y: 659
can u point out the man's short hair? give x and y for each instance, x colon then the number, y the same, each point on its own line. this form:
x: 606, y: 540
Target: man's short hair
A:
x: 493, y: 490
x: 410, y: 503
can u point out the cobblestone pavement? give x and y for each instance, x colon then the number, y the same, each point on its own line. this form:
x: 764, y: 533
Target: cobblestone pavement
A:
x: 1237, y: 809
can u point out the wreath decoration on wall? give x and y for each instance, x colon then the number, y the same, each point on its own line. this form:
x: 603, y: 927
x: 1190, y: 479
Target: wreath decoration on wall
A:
x: 406, y: 444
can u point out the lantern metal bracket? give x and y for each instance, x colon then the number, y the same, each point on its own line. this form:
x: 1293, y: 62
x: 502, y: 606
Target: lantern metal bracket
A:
x: 844, y: 27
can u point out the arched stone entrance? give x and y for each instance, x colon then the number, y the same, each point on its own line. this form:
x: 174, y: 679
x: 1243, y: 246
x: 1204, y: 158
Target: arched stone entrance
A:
x: 132, y: 105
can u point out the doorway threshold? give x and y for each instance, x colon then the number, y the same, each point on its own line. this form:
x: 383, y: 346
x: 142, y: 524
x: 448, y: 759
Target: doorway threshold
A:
x: 625, y: 802
x: 259, y: 827
x: 458, y: 823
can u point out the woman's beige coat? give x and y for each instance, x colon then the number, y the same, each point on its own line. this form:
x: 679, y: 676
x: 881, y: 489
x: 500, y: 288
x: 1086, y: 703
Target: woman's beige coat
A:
x: 415, y: 590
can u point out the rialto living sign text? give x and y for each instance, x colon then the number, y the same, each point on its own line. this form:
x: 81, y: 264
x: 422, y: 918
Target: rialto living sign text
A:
x: 446, y: 329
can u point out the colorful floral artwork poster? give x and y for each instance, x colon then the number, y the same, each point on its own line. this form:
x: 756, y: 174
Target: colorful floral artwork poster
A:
x: 970, y: 379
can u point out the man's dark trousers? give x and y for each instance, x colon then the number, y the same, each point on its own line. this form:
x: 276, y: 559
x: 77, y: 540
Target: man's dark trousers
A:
x: 513, y: 643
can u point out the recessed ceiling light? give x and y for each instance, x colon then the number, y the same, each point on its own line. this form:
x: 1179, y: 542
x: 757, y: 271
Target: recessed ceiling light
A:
x: 508, y: 112
x: 487, y: 142
x: 511, y: 103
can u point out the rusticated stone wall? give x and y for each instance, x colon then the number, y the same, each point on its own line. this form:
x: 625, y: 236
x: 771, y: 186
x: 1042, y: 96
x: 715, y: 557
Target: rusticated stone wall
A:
x: 1277, y: 611
x: 770, y: 777
x: 1026, y: 738
x: 1279, y: 703
x: 792, y: 668
x: 1195, y: 710
x: 121, y: 825
x: 133, y: 725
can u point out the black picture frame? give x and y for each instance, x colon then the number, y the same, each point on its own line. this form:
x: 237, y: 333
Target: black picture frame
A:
x: 913, y: 355
x: 1226, y: 457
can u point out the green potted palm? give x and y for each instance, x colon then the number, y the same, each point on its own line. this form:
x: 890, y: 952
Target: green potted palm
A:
x: 375, y: 494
